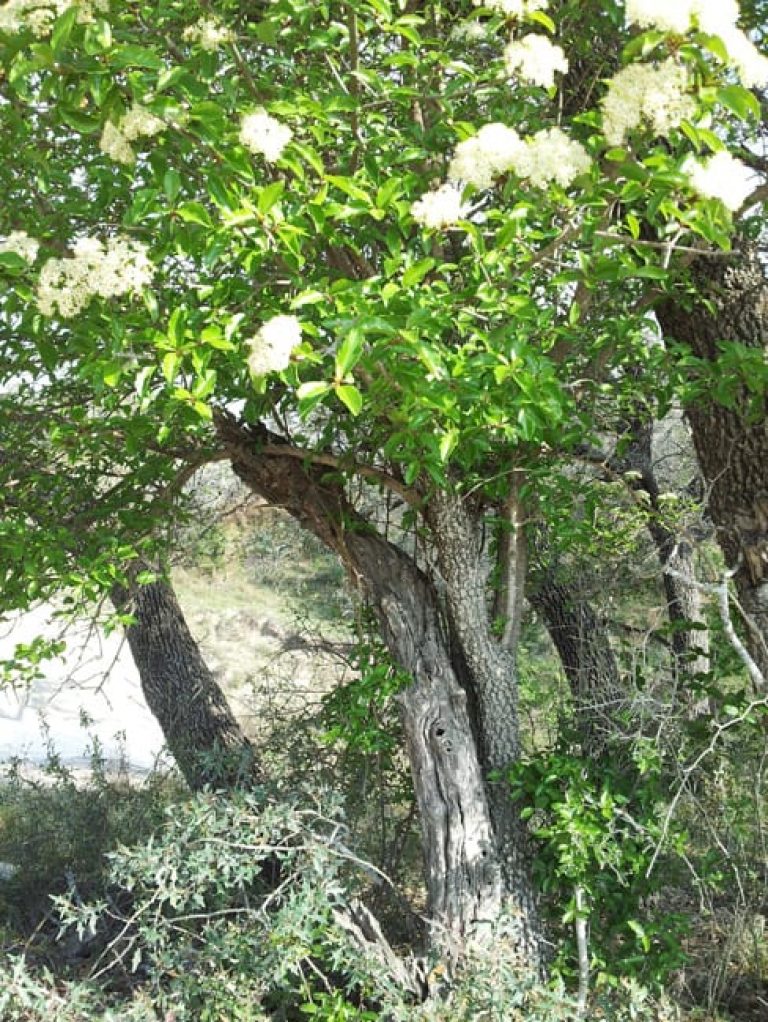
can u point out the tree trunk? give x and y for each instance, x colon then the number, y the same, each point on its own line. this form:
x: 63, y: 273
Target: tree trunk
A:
x: 731, y: 434
x: 582, y: 643
x: 458, y: 545
x: 466, y: 882
x: 690, y: 646
x: 202, y: 734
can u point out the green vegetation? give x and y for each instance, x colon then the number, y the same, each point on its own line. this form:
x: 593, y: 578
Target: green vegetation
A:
x: 395, y: 371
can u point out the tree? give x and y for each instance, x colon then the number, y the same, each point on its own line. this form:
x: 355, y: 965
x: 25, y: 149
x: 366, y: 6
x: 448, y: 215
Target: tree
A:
x: 307, y: 306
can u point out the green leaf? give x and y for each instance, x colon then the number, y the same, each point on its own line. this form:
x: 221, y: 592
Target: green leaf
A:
x: 169, y: 365
x: 416, y: 273
x: 269, y: 195
x: 312, y: 389
x: 349, y: 351
x: 351, y: 397
x: 448, y: 442
x: 543, y: 19
x: 348, y: 186
x: 62, y: 30
x: 739, y: 101
x: 171, y: 184
x: 195, y: 213
x: 136, y: 56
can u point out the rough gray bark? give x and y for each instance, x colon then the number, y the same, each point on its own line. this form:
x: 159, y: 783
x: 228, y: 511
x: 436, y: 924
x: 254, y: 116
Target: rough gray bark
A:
x: 202, y: 734
x: 466, y: 882
x: 491, y: 666
x: 731, y: 438
x: 582, y: 643
x: 676, y: 555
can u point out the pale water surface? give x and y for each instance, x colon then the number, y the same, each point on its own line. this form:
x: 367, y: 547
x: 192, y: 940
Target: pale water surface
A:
x: 96, y: 679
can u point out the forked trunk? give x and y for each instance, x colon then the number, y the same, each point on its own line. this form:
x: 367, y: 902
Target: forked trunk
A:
x: 202, y: 734
x: 467, y: 882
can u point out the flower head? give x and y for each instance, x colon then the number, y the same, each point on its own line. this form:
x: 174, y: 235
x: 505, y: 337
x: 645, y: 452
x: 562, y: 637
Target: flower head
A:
x: 272, y: 346
x: 264, y: 134
x: 513, y: 8
x: 656, y: 94
x: 721, y: 177
x: 20, y: 244
x: 210, y: 33
x: 535, y: 59
x: 440, y: 208
x: 479, y: 160
x: 550, y: 155
x: 108, y: 269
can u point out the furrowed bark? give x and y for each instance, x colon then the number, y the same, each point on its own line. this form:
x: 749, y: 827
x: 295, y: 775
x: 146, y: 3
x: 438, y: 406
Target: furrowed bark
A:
x: 491, y: 664
x: 582, y: 643
x: 731, y: 439
x: 202, y: 734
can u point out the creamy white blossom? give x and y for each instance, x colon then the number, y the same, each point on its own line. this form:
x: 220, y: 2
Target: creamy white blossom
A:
x: 39, y: 16
x: 550, y: 155
x: 513, y: 8
x: 138, y: 122
x: 20, y: 244
x: 715, y: 17
x: 496, y: 150
x: 722, y: 177
x: 441, y: 207
x: 115, y: 145
x: 110, y: 269
x: 678, y: 16
x: 210, y: 33
x: 751, y: 65
x: 479, y: 160
x: 535, y: 59
x: 116, y: 138
x: 652, y: 94
x: 470, y: 31
x: 264, y: 134
x: 272, y: 346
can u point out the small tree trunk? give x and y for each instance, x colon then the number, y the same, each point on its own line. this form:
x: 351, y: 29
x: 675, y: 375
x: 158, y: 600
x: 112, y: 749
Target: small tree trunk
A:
x: 202, y: 734
x: 731, y: 438
x: 582, y: 643
x: 684, y: 600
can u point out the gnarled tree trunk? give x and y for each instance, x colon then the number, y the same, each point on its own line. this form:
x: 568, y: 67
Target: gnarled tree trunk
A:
x: 469, y: 879
x: 731, y: 439
x: 203, y: 735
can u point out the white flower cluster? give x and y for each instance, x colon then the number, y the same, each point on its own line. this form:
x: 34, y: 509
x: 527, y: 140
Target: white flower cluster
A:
x: 210, y: 33
x: 479, y: 160
x: 535, y: 59
x: 513, y: 8
x: 97, y: 269
x: 656, y: 94
x: 20, y: 244
x: 39, y: 16
x: 272, y: 346
x: 470, y: 32
x: 496, y: 150
x: 440, y: 208
x: 715, y: 17
x: 265, y: 135
x: 551, y: 155
x: 721, y: 177
x: 116, y: 138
